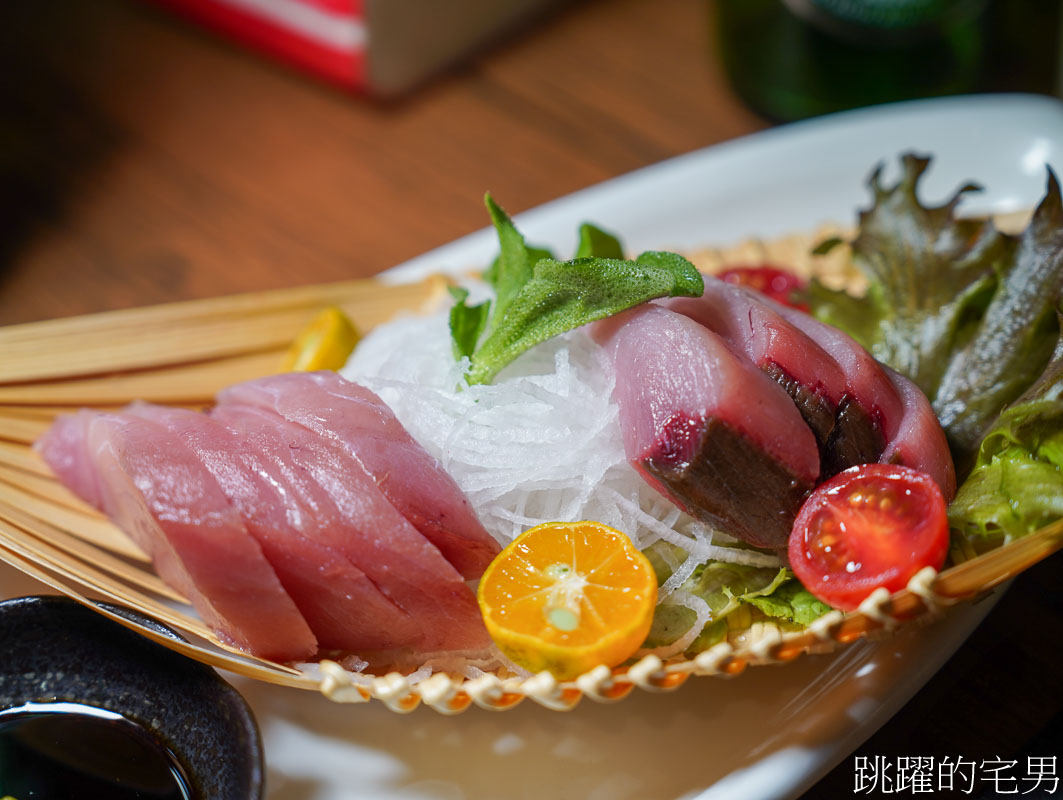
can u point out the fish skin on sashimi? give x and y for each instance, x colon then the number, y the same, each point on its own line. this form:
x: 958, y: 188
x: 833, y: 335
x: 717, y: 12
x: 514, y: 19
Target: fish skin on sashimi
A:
x: 355, y: 518
x: 344, y: 609
x: 158, y: 492
x: 704, y: 424
x: 411, y: 479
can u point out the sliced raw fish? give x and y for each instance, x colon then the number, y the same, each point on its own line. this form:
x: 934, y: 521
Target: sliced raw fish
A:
x: 707, y: 427
x: 159, y: 493
x: 870, y: 414
x: 413, y: 481
x: 809, y: 375
x: 355, y: 518
x: 920, y: 441
x: 345, y: 610
x: 64, y: 450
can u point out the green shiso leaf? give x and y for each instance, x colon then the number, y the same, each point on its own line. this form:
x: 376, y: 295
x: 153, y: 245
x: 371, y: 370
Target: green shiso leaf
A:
x: 467, y: 322
x: 1015, y: 337
x: 596, y: 243
x: 539, y: 297
x: 513, y: 267
x: 562, y: 295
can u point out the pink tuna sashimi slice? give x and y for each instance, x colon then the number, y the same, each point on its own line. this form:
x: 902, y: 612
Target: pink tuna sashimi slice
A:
x: 809, y: 375
x: 344, y: 609
x: 63, y: 449
x: 356, y: 519
x: 159, y: 493
x: 920, y: 442
x: 414, y: 482
x: 707, y: 427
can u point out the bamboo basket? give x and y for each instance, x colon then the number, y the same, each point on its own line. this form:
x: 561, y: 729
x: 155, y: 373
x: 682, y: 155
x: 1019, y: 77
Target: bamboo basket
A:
x: 183, y: 353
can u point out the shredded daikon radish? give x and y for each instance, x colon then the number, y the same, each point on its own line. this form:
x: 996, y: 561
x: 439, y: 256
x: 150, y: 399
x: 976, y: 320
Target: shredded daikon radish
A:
x: 540, y: 444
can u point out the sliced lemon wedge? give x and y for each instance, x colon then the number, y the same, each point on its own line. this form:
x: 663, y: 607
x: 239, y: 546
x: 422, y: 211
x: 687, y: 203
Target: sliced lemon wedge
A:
x: 325, y: 343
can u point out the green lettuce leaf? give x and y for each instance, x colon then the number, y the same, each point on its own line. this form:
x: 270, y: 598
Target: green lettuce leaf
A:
x: 963, y: 310
x: 929, y: 274
x: 791, y: 602
x: 538, y: 297
x: 730, y: 591
x: 1016, y: 486
x: 1015, y: 337
x: 723, y: 587
x: 1013, y: 494
x: 857, y: 316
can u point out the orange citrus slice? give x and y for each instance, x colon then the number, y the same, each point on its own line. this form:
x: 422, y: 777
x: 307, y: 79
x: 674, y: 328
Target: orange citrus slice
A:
x: 568, y: 596
x: 326, y: 343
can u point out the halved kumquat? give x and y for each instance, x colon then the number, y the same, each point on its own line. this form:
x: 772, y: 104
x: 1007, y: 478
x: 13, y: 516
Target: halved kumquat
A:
x: 568, y: 596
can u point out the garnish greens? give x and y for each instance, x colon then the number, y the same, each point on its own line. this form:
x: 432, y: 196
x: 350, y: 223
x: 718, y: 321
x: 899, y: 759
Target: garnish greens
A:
x: 1015, y: 337
x: 965, y: 311
x: 731, y: 593
x: 927, y: 270
x: 1016, y: 485
x: 538, y: 297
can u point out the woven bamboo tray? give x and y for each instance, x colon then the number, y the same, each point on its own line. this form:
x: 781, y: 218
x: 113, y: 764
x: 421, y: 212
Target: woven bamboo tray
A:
x: 183, y: 353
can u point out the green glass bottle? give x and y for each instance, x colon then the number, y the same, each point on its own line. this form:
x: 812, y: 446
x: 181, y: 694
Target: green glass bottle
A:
x: 791, y: 59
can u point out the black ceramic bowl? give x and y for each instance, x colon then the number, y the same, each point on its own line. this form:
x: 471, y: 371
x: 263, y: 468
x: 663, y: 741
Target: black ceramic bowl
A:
x: 58, y: 651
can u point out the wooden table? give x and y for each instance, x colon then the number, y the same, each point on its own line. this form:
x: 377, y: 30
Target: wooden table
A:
x: 153, y: 162
x: 142, y: 161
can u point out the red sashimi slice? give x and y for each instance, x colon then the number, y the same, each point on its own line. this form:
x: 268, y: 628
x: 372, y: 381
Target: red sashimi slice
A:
x: 919, y: 441
x: 910, y: 431
x: 809, y: 375
x: 706, y: 426
x: 353, y: 517
x: 865, y: 377
x: 63, y: 449
x: 413, y: 481
x: 871, y: 395
x: 159, y: 493
x: 345, y: 610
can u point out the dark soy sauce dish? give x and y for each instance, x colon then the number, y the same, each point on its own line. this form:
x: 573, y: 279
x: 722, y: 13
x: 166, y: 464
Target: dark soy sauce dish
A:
x: 72, y: 750
x: 88, y: 708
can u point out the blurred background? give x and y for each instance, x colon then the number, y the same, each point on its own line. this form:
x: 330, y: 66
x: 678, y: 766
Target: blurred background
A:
x: 162, y: 150
x: 147, y: 159
x: 175, y: 149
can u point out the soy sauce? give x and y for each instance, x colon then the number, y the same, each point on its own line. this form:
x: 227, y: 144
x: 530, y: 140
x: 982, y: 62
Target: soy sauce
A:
x: 56, y: 751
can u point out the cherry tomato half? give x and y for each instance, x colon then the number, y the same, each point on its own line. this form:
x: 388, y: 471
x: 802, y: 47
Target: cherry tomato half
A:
x: 778, y: 284
x: 871, y: 525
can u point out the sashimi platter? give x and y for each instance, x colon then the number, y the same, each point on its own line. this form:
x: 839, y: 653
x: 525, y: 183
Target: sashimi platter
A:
x: 563, y: 474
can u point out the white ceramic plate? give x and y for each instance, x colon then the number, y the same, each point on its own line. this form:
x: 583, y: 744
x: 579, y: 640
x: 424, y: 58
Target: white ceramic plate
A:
x: 771, y: 732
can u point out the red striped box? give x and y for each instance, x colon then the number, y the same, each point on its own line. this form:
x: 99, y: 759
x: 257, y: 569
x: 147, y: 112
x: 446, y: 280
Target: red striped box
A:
x: 379, y: 46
